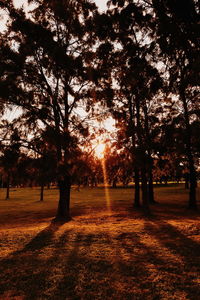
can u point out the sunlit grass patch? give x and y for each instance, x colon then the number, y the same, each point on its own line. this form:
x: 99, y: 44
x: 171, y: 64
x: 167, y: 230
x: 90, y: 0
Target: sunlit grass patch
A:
x: 99, y: 255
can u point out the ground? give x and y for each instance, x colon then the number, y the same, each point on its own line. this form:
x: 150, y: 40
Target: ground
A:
x: 107, y: 251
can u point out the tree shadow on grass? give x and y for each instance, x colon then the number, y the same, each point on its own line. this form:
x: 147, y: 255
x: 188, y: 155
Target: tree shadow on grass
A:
x: 95, y: 269
x: 66, y: 286
x: 42, y: 239
x: 172, y: 211
x: 187, y: 268
x: 82, y: 273
x: 20, y: 272
x: 48, y: 268
x: 75, y: 264
x: 138, y: 267
x: 160, y: 211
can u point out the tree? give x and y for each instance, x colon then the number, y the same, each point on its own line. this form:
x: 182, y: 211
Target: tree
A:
x: 46, y: 74
x: 137, y: 81
x: 177, y: 25
x: 9, y: 159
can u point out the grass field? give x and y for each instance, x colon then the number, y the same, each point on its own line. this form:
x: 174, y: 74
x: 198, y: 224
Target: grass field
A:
x: 102, y: 253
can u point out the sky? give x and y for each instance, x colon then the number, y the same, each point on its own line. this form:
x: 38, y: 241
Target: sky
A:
x: 109, y: 123
x: 18, y: 3
x: 100, y: 3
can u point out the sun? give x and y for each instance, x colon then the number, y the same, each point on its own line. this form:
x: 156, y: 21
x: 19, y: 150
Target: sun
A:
x: 99, y: 150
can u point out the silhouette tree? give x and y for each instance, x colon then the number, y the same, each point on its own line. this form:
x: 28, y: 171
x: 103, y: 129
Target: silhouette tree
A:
x: 46, y: 73
x: 176, y: 25
x: 9, y: 159
x: 137, y: 81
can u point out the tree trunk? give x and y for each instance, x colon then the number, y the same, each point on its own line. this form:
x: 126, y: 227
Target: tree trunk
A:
x: 8, y: 187
x: 137, y: 188
x: 114, y: 183
x: 150, y: 188
x: 42, y: 192
x: 144, y: 191
x: 192, y: 193
x: 186, y: 181
x: 86, y: 182
x: 150, y: 160
x: 63, y: 211
x: 135, y: 132
x: 192, y: 174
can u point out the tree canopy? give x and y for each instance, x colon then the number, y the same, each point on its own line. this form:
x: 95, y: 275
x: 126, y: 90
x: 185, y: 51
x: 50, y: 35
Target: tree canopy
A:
x: 64, y: 63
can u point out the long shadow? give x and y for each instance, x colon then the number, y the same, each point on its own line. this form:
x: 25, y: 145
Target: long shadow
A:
x: 19, y: 271
x: 179, y: 243
x: 87, y: 275
x: 42, y: 239
x: 51, y: 274
x: 150, y: 271
x: 183, y: 247
x: 88, y: 272
x: 99, y: 265
x: 161, y: 211
x: 133, y: 265
x: 54, y: 269
x: 82, y: 273
x: 66, y: 287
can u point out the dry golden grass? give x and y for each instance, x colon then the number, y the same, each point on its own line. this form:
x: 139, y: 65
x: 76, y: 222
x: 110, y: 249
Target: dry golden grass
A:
x: 100, y: 254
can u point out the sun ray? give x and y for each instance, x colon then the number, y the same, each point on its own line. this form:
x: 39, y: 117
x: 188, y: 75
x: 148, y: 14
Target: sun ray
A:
x: 106, y: 188
x: 100, y: 154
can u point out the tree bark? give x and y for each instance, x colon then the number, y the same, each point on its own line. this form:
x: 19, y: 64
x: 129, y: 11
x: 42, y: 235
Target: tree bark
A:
x: 150, y: 188
x: 145, y: 203
x: 63, y: 211
x: 114, y: 183
x: 150, y: 160
x: 192, y: 192
x: 42, y: 192
x: 186, y: 181
x: 136, y: 202
x: 142, y: 159
x: 137, y: 188
x: 8, y: 187
x: 192, y: 173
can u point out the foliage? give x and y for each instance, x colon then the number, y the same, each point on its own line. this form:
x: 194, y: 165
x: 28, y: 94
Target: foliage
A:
x: 65, y: 64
